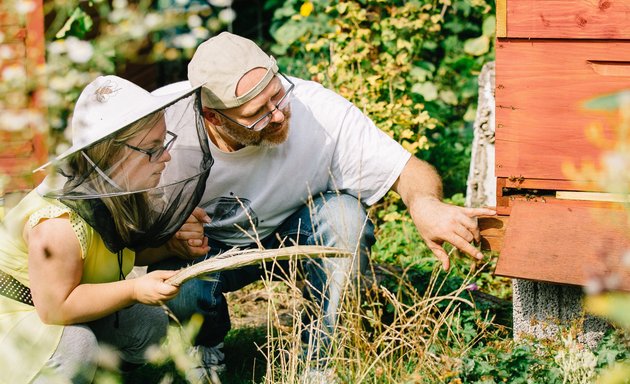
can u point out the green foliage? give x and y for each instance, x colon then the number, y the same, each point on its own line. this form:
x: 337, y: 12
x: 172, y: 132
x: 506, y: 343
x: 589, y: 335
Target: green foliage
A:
x: 533, y: 361
x: 411, y: 65
x: 500, y: 363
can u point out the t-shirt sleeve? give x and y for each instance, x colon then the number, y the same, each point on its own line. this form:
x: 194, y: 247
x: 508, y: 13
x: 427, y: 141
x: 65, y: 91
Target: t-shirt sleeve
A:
x: 366, y: 162
x: 53, y: 211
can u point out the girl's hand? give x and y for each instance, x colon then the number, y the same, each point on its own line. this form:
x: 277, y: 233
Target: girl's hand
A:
x: 152, y: 290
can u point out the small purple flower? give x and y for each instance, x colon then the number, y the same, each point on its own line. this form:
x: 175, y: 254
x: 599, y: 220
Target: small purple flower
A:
x: 472, y: 287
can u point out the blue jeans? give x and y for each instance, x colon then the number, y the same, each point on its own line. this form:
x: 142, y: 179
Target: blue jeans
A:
x: 331, y: 219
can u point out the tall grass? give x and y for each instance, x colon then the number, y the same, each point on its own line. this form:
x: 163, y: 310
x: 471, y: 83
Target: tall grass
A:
x: 366, y: 345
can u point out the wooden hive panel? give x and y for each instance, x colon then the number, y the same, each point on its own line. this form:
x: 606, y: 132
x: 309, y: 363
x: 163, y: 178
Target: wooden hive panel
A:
x: 541, y: 88
x: 565, y: 19
x: 570, y: 245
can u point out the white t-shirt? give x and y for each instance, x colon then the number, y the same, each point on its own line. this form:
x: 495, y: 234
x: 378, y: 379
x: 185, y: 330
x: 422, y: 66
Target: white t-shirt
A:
x: 332, y: 146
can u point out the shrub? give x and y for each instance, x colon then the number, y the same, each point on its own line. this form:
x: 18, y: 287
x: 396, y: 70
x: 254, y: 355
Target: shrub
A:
x: 410, y: 65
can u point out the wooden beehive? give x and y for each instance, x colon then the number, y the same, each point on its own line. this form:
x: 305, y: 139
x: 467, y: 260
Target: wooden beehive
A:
x: 552, y: 56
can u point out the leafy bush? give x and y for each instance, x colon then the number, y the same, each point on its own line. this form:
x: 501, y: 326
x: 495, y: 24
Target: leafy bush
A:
x: 410, y: 65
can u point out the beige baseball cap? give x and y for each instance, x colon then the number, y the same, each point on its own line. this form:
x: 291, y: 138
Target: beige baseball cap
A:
x: 219, y: 64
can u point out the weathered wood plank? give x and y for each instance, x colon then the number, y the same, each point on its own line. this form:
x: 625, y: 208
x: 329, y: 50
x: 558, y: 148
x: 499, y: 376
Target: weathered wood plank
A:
x: 501, y: 18
x: 593, y: 196
x: 574, y: 19
x: 541, y: 124
x: 564, y: 244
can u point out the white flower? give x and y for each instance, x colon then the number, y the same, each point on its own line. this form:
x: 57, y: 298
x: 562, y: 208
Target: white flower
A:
x: 182, y: 2
x: 201, y: 33
x: 13, y: 72
x: 14, y: 121
x: 194, y: 21
x: 137, y: 31
x: 119, y: 4
x: 152, y: 20
x: 79, y: 51
x: 51, y: 97
x: 227, y: 15
x: 61, y: 84
x: 185, y: 41
x: 6, y: 52
x: 220, y: 3
x: 24, y: 6
x: 57, y: 47
x: 213, y: 24
x: 62, y: 147
x: 116, y: 16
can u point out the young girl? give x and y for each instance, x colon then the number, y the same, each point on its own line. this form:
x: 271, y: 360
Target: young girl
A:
x: 66, y: 248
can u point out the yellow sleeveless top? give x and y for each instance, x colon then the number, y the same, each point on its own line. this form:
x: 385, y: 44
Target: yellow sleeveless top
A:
x: 25, y: 342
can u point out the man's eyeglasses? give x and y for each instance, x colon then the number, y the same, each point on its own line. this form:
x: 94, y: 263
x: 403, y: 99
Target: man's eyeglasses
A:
x: 157, y: 152
x: 264, y: 120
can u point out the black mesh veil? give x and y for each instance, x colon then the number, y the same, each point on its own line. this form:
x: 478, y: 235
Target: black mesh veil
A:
x: 137, y: 186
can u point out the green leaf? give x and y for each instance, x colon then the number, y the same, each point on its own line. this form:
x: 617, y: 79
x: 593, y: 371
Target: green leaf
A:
x: 427, y: 90
x: 489, y: 26
x: 449, y: 97
x: 477, y: 46
x: 290, y: 32
x: 83, y: 24
x: 420, y: 74
x: 471, y: 113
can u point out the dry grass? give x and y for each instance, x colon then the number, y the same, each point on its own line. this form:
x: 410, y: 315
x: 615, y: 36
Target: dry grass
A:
x: 408, y: 348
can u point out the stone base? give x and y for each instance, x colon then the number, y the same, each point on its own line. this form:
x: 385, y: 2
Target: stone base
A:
x: 542, y: 309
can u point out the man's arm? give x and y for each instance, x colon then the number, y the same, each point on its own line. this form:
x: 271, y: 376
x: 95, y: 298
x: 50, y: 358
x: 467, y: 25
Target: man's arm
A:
x: 420, y: 188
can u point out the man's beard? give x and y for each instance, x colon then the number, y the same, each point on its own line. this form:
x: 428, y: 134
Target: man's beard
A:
x: 273, y: 134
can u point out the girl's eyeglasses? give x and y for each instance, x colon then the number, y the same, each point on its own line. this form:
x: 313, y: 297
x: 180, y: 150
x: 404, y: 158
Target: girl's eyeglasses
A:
x: 157, y: 152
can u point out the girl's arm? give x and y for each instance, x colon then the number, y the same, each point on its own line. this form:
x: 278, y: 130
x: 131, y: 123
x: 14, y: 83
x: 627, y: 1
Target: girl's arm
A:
x: 55, y: 271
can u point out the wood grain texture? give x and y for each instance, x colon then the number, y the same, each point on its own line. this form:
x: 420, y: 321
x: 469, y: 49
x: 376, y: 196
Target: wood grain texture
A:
x: 492, y: 230
x: 546, y: 199
x: 564, y: 244
x: 574, y: 19
x: 541, y: 87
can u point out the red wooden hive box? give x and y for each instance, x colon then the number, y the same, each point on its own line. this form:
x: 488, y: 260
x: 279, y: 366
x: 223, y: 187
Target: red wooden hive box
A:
x: 552, y: 56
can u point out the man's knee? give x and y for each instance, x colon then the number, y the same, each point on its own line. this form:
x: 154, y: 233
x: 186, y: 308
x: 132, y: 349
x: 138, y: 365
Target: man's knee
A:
x: 196, y: 296
x: 341, y: 220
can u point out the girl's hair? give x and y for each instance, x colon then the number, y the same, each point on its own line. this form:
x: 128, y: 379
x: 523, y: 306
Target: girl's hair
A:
x: 131, y: 211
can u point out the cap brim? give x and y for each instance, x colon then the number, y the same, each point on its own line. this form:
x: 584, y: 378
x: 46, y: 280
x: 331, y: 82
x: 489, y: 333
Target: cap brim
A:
x: 159, y: 101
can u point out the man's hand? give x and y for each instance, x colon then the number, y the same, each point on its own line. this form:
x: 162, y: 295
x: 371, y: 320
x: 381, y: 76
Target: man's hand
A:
x: 189, y: 242
x: 420, y: 187
x: 438, y: 222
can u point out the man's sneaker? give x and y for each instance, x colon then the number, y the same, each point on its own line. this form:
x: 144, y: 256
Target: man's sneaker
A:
x: 212, y: 363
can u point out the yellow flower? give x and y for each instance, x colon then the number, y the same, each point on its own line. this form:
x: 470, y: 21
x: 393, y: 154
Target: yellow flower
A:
x: 306, y: 8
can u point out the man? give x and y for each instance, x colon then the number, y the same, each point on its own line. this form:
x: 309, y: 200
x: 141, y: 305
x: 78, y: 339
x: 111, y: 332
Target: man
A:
x: 295, y: 162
